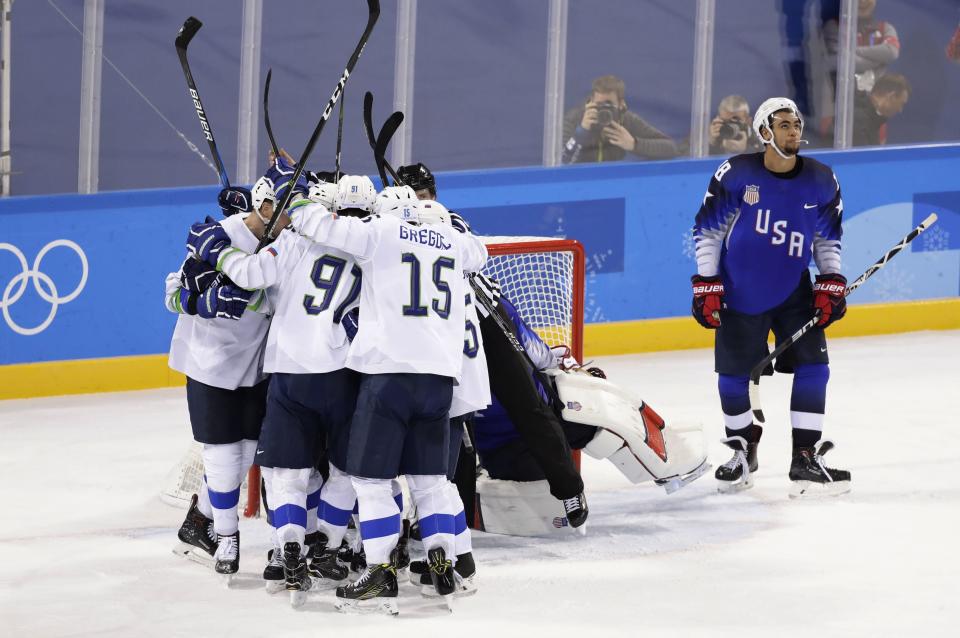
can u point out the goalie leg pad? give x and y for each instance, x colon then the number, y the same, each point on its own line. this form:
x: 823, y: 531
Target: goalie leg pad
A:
x: 518, y: 508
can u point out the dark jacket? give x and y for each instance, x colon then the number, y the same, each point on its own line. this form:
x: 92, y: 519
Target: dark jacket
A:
x: 869, y: 127
x: 580, y: 146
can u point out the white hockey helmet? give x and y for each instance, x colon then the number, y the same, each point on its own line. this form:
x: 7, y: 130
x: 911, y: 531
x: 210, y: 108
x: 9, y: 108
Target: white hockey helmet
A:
x: 355, y: 191
x: 433, y: 212
x: 392, y: 197
x: 403, y: 208
x: 262, y: 190
x: 323, y: 193
x: 761, y: 119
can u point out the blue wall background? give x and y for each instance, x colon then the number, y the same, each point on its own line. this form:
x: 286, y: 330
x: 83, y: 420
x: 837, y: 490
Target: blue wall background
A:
x: 633, y: 219
x: 479, y: 78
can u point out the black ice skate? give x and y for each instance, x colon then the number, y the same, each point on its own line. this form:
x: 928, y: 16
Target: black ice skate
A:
x: 811, y: 477
x: 296, y: 579
x: 576, y: 510
x: 737, y: 473
x: 464, y: 573
x: 442, y: 574
x: 403, y: 554
x: 198, y: 542
x: 375, y: 590
x: 356, y: 560
x: 323, y: 564
x: 227, y: 557
x: 273, y: 573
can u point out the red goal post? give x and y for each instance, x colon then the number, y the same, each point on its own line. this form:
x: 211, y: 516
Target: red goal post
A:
x: 542, y: 276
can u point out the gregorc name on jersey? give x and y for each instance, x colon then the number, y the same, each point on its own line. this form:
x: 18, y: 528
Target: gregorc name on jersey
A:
x: 424, y: 236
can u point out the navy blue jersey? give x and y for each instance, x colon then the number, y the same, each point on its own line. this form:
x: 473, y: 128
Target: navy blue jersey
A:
x: 758, y: 230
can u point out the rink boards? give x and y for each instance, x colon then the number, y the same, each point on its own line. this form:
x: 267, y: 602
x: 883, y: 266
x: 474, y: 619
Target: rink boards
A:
x: 81, y: 277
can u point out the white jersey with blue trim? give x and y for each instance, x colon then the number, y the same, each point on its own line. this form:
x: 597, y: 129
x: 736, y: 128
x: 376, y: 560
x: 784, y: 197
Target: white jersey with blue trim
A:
x: 312, y: 287
x: 222, y: 352
x: 758, y: 229
x: 412, y: 301
x: 473, y: 391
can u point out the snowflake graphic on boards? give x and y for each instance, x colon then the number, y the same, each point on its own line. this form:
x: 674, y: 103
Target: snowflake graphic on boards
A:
x: 893, y: 283
x: 936, y: 239
x: 689, y: 246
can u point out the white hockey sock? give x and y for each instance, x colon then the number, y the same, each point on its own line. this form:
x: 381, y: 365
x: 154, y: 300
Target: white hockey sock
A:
x: 313, y: 499
x: 337, y: 498
x: 461, y: 539
x: 435, y: 512
x: 379, y: 518
x: 223, y: 469
x: 203, y: 499
x: 249, y: 451
x: 288, y: 497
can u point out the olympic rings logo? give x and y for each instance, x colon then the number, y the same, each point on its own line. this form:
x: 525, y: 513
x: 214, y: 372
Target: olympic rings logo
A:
x: 42, y: 283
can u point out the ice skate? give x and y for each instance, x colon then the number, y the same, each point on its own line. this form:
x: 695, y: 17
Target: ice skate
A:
x: 227, y: 557
x: 464, y: 574
x: 577, y: 511
x: 442, y: 575
x: 811, y: 478
x: 374, y: 591
x: 675, y: 483
x: 296, y: 579
x: 737, y: 474
x: 273, y: 573
x: 324, y: 566
x: 197, y: 540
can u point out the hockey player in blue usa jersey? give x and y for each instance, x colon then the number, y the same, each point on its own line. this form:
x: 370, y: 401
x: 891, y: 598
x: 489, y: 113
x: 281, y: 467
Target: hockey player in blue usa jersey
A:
x: 763, y: 218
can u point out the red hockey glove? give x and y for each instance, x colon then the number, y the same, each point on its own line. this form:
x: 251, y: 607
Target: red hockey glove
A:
x: 707, y: 300
x: 830, y: 298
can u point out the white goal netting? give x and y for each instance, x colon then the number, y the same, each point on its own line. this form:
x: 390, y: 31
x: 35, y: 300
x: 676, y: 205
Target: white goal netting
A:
x: 542, y: 277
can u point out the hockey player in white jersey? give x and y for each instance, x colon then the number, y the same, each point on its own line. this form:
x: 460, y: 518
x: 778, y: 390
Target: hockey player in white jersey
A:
x: 312, y: 394
x: 218, y: 344
x: 409, y: 349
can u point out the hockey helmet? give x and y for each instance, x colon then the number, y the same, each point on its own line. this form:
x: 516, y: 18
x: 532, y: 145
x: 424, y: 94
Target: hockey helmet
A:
x: 322, y: 193
x: 418, y: 177
x: 433, y: 212
x: 762, y: 119
x: 261, y: 191
x: 355, y: 191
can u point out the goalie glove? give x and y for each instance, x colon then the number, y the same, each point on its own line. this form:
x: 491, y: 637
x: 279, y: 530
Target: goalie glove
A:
x: 707, y: 300
x: 487, y: 291
x: 829, y: 297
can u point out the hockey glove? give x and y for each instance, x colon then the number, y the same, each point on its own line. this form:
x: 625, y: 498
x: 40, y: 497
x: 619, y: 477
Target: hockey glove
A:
x: 829, y: 297
x: 235, y: 199
x: 197, y: 276
x: 459, y: 223
x: 487, y: 291
x: 351, y: 323
x: 223, y: 301
x: 206, y: 240
x: 707, y: 300
x: 280, y: 176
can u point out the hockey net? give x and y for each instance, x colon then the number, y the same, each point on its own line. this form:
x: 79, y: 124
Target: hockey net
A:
x: 544, y: 279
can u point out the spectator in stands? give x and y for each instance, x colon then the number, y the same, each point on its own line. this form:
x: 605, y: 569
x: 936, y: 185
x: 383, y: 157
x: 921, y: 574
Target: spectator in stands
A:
x: 877, y: 45
x: 953, y: 47
x: 872, y: 109
x: 603, y: 130
x: 730, y: 129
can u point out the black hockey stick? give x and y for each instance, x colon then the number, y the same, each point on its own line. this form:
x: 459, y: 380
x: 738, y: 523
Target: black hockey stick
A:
x: 336, y: 174
x: 380, y: 143
x: 760, y: 367
x: 374, y: 7
x: 266, y: 114
x: 187, y: 31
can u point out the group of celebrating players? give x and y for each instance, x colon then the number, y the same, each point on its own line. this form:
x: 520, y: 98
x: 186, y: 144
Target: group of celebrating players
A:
x: 349, y: 354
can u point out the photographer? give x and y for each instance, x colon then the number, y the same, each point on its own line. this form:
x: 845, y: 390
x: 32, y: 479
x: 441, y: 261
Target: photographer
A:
x: 730, y: 129
x: 603, y: 130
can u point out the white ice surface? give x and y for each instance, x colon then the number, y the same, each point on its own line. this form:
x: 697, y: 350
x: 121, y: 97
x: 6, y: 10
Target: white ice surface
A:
x: 85, y: 540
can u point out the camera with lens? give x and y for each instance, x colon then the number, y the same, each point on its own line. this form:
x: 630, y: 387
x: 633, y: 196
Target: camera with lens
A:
x: 607, y: 112
x: 732, y: 130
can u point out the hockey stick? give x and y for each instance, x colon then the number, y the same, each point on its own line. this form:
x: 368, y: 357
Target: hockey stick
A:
x: 336, y: 174
x: 266, y: 114
x: 760, y: 367
x: 374, y: 7
x: 187, y: 31
x: 380, y: 142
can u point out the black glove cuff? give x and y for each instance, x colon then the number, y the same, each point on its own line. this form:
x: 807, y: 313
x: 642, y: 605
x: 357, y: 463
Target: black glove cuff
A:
x: 192, y: 303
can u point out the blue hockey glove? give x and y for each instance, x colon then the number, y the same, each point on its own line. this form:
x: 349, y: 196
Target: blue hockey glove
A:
x: 351, y: 323
x: 196, y: 275
x: 223, y: 301
x: 280, y: 176
x: 206, y: 240
x: 459, y: 223
x: 235, y: 199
